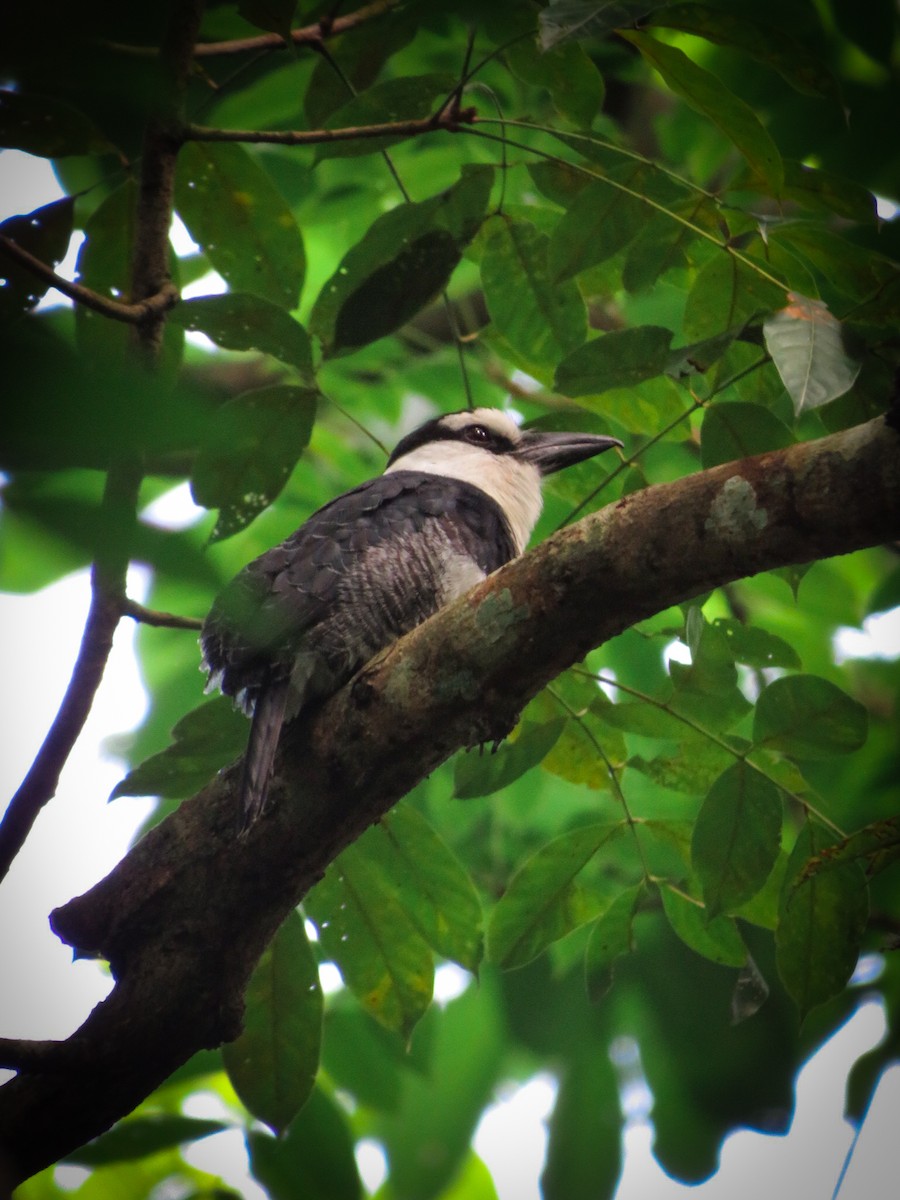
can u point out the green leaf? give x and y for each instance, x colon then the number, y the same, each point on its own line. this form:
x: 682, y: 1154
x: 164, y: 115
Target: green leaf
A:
x: 658, y: 247
x: 464, y: 1047
x: 361, y: 1057
x: 584, y: 1151
x: 403, y: 260
x: 542, y: 319
x: 139, y: 1137
x: 233, y: 210
x: 249, y: 453
x: 411, y: 98
x: 559, y: 181
x: 886, y: 594
x: 473, y: 1181
x: 726, y: 293
x: 480, y: 774
x: 756, y: 647
x: 698, y: 357
x: 203, y: 741
x: 716, y: 938
x: 809, y: 717
x: 737, y: 837
x: 273, y: 15
x: 706, y: 691
x: 567, y: 72
x: 648, y: 720
x: 823, y: 192
x: 562, y: 20
x: 543, y: 902
x: 242, y: 321
x: 48, y: 127
x: 778, y: 50
x: 369, y: 934
x: 821, y: 923
x: 314, y: 1160
x: 875, y: 847
x: 45, y: 233
x: 732, y: 431
x: 586, y: 750
x: 692, y: 771
x: 417, y: 866
x: 603, y: 218
x: 394, y: 293
x: 710, y: 97
x: 272, y: 1065
x: 623, y: 358
x: 610, y: 940
x: 807, y: 347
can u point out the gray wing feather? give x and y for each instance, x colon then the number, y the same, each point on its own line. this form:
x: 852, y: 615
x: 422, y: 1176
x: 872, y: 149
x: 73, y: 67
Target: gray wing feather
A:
x: 299, y: 620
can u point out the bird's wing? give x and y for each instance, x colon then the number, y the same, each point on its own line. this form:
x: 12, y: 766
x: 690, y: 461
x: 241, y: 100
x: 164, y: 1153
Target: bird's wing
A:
x: 260, y: 620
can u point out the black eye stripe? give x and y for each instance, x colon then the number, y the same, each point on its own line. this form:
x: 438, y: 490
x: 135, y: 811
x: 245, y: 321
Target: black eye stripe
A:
x: 436, y: 431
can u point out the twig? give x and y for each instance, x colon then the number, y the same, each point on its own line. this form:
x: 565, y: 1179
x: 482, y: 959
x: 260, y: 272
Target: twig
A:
x: 107, y: 589
x: 313, y: 137
x: 149, y: 279
x: 305, y: 36
x: 132, y: 314
x: 163, y: 620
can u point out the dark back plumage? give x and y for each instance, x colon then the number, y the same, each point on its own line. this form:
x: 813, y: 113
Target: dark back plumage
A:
x: 303, y: 596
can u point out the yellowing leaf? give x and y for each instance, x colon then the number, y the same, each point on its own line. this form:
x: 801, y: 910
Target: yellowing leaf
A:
x: 805, y: 343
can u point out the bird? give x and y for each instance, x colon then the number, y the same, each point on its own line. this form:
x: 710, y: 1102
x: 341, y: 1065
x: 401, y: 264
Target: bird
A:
x: 458, y: 498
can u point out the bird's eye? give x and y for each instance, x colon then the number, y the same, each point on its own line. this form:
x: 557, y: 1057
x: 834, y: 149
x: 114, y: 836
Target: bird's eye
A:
x: 477, y: 434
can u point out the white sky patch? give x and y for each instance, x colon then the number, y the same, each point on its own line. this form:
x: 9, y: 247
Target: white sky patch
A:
x: 677, y: 651
x: 330, y: 978
x: 174, y: 509
x: 371, y: 1161
x: 878, y: 638
x: 78, y: 837
x: 511, y: 1138
x: 450, y: 981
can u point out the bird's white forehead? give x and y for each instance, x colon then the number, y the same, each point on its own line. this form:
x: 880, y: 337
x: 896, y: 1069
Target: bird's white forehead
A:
x: 499, y: 421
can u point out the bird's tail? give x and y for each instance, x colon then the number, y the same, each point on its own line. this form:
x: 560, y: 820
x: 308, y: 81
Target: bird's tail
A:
x: 265, y: 729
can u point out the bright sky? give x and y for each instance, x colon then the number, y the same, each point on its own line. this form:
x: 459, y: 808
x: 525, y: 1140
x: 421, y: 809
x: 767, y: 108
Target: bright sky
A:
x: 79, y: 837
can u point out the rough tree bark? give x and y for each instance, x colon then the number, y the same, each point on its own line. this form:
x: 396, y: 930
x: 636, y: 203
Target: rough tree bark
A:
x: 184, y: 917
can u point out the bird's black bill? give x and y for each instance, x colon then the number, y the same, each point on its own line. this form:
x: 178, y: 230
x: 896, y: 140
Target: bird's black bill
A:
x: 552, y: 451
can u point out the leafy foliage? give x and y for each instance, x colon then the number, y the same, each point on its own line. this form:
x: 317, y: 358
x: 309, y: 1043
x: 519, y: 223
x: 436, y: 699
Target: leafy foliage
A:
x: 698, y: 823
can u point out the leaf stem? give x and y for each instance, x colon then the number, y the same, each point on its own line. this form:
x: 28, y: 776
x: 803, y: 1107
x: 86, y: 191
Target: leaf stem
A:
x: 739, y: 755
x: 750, y: 263
x: 631, y: 821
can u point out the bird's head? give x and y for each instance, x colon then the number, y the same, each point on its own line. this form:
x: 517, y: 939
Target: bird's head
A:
x: 485, y: 447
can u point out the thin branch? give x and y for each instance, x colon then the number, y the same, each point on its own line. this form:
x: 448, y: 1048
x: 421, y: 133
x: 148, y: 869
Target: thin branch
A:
x: 444, y: 119
x: 149, y: 279
x: 308, y: 35
x: 107, y: 591
x: 164, y: 620
x: 132, y: 314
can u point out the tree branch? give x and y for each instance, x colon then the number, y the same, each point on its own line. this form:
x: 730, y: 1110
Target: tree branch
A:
x: 23, y: 1054
x: 164, y: 620
x: 149, y: 281
x: 107, y: 595
x: 307, y: 35
x: 448, y: 119
x: 132, y: 314
x: 184, y: 917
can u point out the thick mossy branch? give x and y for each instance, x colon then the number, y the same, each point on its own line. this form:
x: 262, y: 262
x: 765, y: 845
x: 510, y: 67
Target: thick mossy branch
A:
x: 184, y: 917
